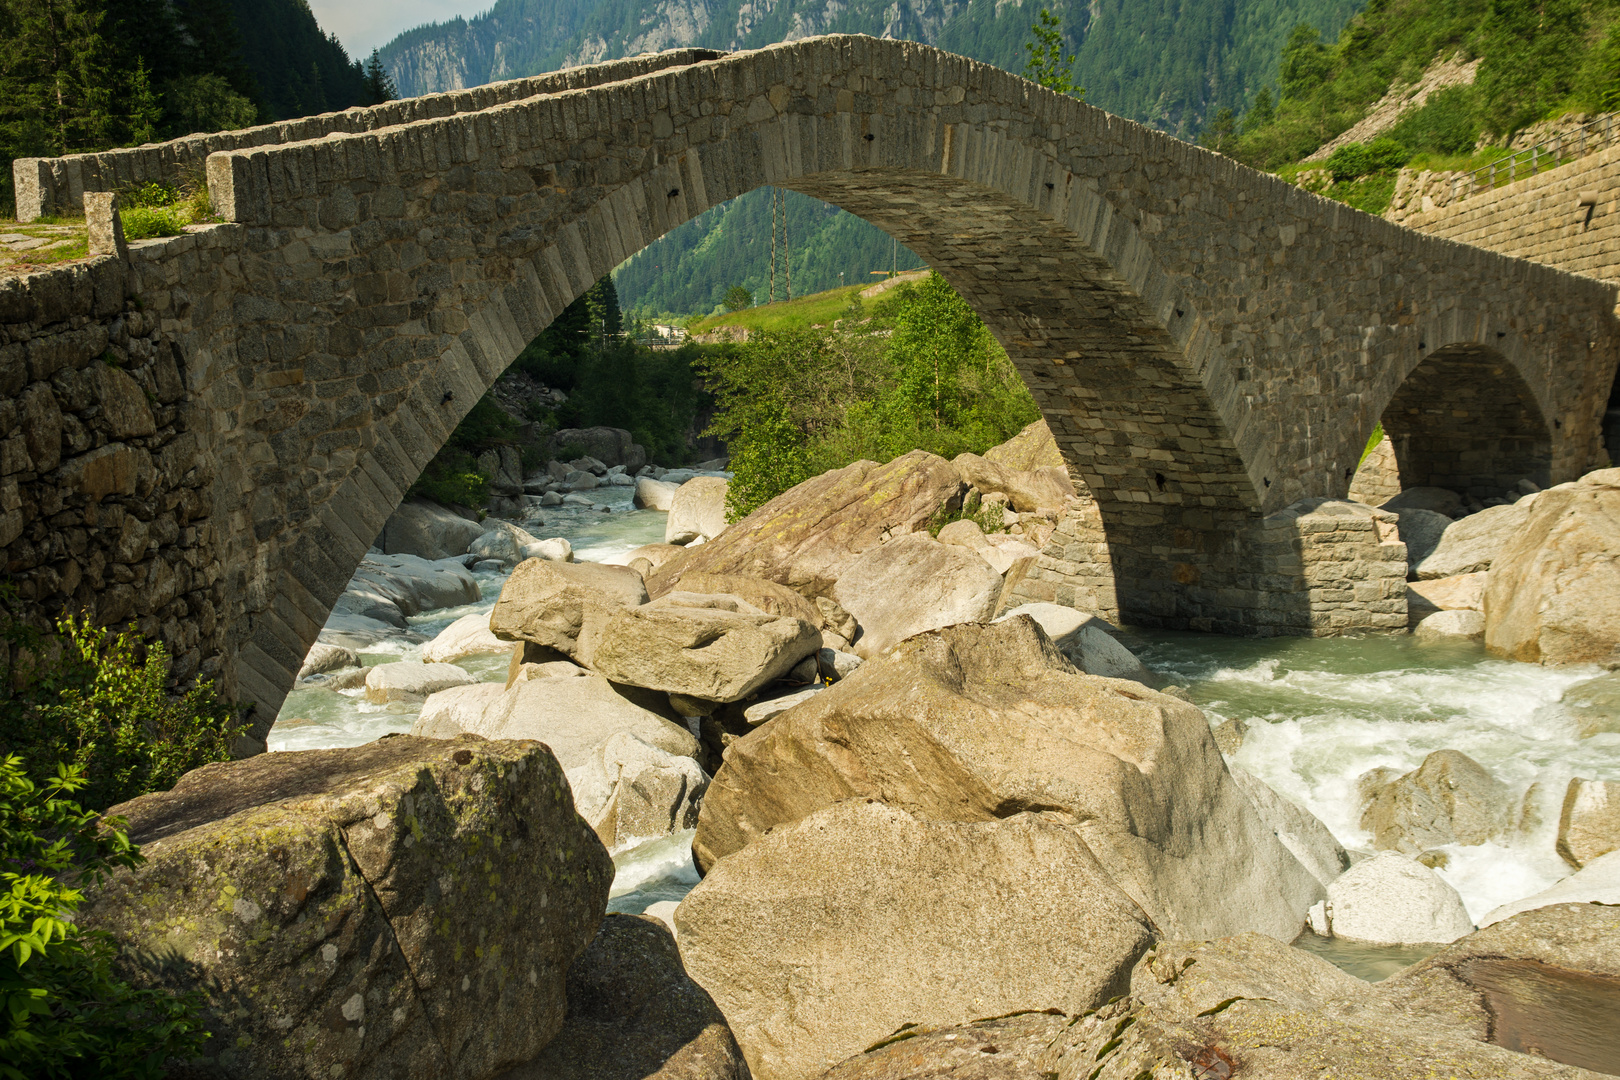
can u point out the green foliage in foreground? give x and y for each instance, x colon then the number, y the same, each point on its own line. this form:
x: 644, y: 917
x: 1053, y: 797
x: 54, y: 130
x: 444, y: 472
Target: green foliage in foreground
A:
x: 63, y: 1011
x: 87, y: 700
x: 793, y: 403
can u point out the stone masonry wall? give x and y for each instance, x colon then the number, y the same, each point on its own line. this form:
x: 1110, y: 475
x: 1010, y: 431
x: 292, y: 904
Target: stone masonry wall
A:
x: 107, y: 491
x: 1542, y: 218
x: 57, y: 185
x: 1329, y: 568
x: 1073, y: 568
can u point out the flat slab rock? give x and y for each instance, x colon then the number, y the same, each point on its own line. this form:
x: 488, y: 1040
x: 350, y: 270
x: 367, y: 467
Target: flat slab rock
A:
x: 341, y: 909
x: 1004, y: 1048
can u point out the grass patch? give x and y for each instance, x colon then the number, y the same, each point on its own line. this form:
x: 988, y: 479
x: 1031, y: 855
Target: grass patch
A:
x: 800, y: 314
x: 147, y: 222
x: 65, y: 241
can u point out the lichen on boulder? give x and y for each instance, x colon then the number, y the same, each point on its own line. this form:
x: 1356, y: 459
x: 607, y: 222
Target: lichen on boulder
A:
x: 408, y: 908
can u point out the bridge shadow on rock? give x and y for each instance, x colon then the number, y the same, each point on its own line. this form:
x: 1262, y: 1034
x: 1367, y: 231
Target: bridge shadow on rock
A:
x: 1209, y: 345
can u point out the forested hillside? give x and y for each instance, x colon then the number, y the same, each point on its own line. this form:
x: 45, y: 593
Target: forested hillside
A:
x: 78, y: 75
x: 1171, y: 63
x: 1535, y: 59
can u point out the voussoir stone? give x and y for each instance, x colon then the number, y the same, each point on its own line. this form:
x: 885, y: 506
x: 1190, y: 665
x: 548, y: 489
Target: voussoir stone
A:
x: 335, y: 909
x: 704, y: 652
x: 905, y: 927
x: 912, y: 584
x: 806, y: 536
x: 972, y: 722
x: 1554, y: 592
x: 548, y: 603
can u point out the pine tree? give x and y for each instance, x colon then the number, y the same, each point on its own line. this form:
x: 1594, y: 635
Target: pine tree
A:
x: 54, y: 75
x: 1261, y: 113
x: 145, y: 110
x: 602, y: 300
x: 379, y: 84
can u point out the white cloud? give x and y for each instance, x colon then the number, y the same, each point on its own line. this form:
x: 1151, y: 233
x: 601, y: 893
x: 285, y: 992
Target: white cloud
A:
x: 363, y: 25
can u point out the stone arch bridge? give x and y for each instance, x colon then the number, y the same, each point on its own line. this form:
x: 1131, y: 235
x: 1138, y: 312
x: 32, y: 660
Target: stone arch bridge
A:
x: 1208, y: 344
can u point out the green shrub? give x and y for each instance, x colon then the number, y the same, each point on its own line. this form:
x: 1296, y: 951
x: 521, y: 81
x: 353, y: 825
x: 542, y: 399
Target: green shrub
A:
x: 63, y: 1011
x: 106, y: 713
x: 146, y: 222
x: 1445, y: 125
x: 1355, y: 160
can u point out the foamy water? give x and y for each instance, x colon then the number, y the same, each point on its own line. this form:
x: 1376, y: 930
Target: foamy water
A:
x: 1321, y: 712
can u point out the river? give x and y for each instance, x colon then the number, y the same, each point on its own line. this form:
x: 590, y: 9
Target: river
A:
x: 1320, y: 713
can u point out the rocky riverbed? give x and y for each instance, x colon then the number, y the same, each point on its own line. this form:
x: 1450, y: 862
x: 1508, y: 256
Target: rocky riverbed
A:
x: 914, y: 798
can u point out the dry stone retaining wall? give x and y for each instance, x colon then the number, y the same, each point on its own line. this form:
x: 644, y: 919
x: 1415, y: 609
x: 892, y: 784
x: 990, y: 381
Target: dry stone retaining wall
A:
x: 1208, y: 344
x: 1542, y: 218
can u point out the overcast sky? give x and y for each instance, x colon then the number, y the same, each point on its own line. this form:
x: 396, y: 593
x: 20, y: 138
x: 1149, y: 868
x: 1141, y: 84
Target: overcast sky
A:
x: 363, y: 25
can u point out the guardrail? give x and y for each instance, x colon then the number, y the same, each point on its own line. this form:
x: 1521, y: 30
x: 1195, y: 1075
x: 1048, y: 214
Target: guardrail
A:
x: 1589, y: 138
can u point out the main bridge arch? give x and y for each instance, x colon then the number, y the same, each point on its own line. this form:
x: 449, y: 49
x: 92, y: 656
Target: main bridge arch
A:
x: 1208, y: 344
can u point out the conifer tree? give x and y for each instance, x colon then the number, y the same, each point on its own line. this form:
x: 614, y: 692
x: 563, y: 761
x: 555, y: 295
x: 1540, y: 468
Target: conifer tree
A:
x: 379, y: 84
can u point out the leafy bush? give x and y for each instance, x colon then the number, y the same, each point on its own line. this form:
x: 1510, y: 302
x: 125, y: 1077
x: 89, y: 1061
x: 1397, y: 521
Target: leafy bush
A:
x: 107, y: 714
x: 794, y: 403
x: 144, y: 223
x: 63, y: 1011
x: 738, y: 297
x: 1364, y: 159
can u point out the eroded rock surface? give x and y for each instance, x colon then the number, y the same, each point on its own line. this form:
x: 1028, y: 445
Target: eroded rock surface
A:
x: 973, y: 723
x: 340, y: 908
x: 830, y: 933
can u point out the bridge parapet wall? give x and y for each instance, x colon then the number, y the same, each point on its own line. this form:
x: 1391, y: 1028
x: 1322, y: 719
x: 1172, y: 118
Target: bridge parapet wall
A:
x: 108, y: 471
x: 57, y: 185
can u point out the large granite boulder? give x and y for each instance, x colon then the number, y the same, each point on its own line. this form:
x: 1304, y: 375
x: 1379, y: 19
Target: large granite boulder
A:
x: 1589, y: 825
x: 1249, y: 1006
x: 411, y: 681
x: 469, y: 635
x: 609, y: 445
x: 654, y: 494
x: 634, y: 1014
x: 427, y: 530
x: 555, y: 604
x: 915, y: 583
x: 1544, y: 982
x: 387, y: 589
x: 1449, y: 799
x: 1450, y: 627
x: 404, y: 909
x: 1299, y: 830
x: 323, y: 658
x: 768, y: 596
x: 1420, y: 530
x: 971, y: 723
x: 1554, y: 590
x: 1031, y: 448
x: 574, y: 716
x: 448, y: 713
x: 1392, y: 900
x: 1462, y: 592
x: 1436, y: 499
x: 697, y: 511
x: 1032, y: 491
x: 1086, y: 641
x: 629, y: 790
x: 1470, y: 545
x: 833, y: 931
x: 806, y: 536
x: 1003, y: 1048
x: 714, y: 647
